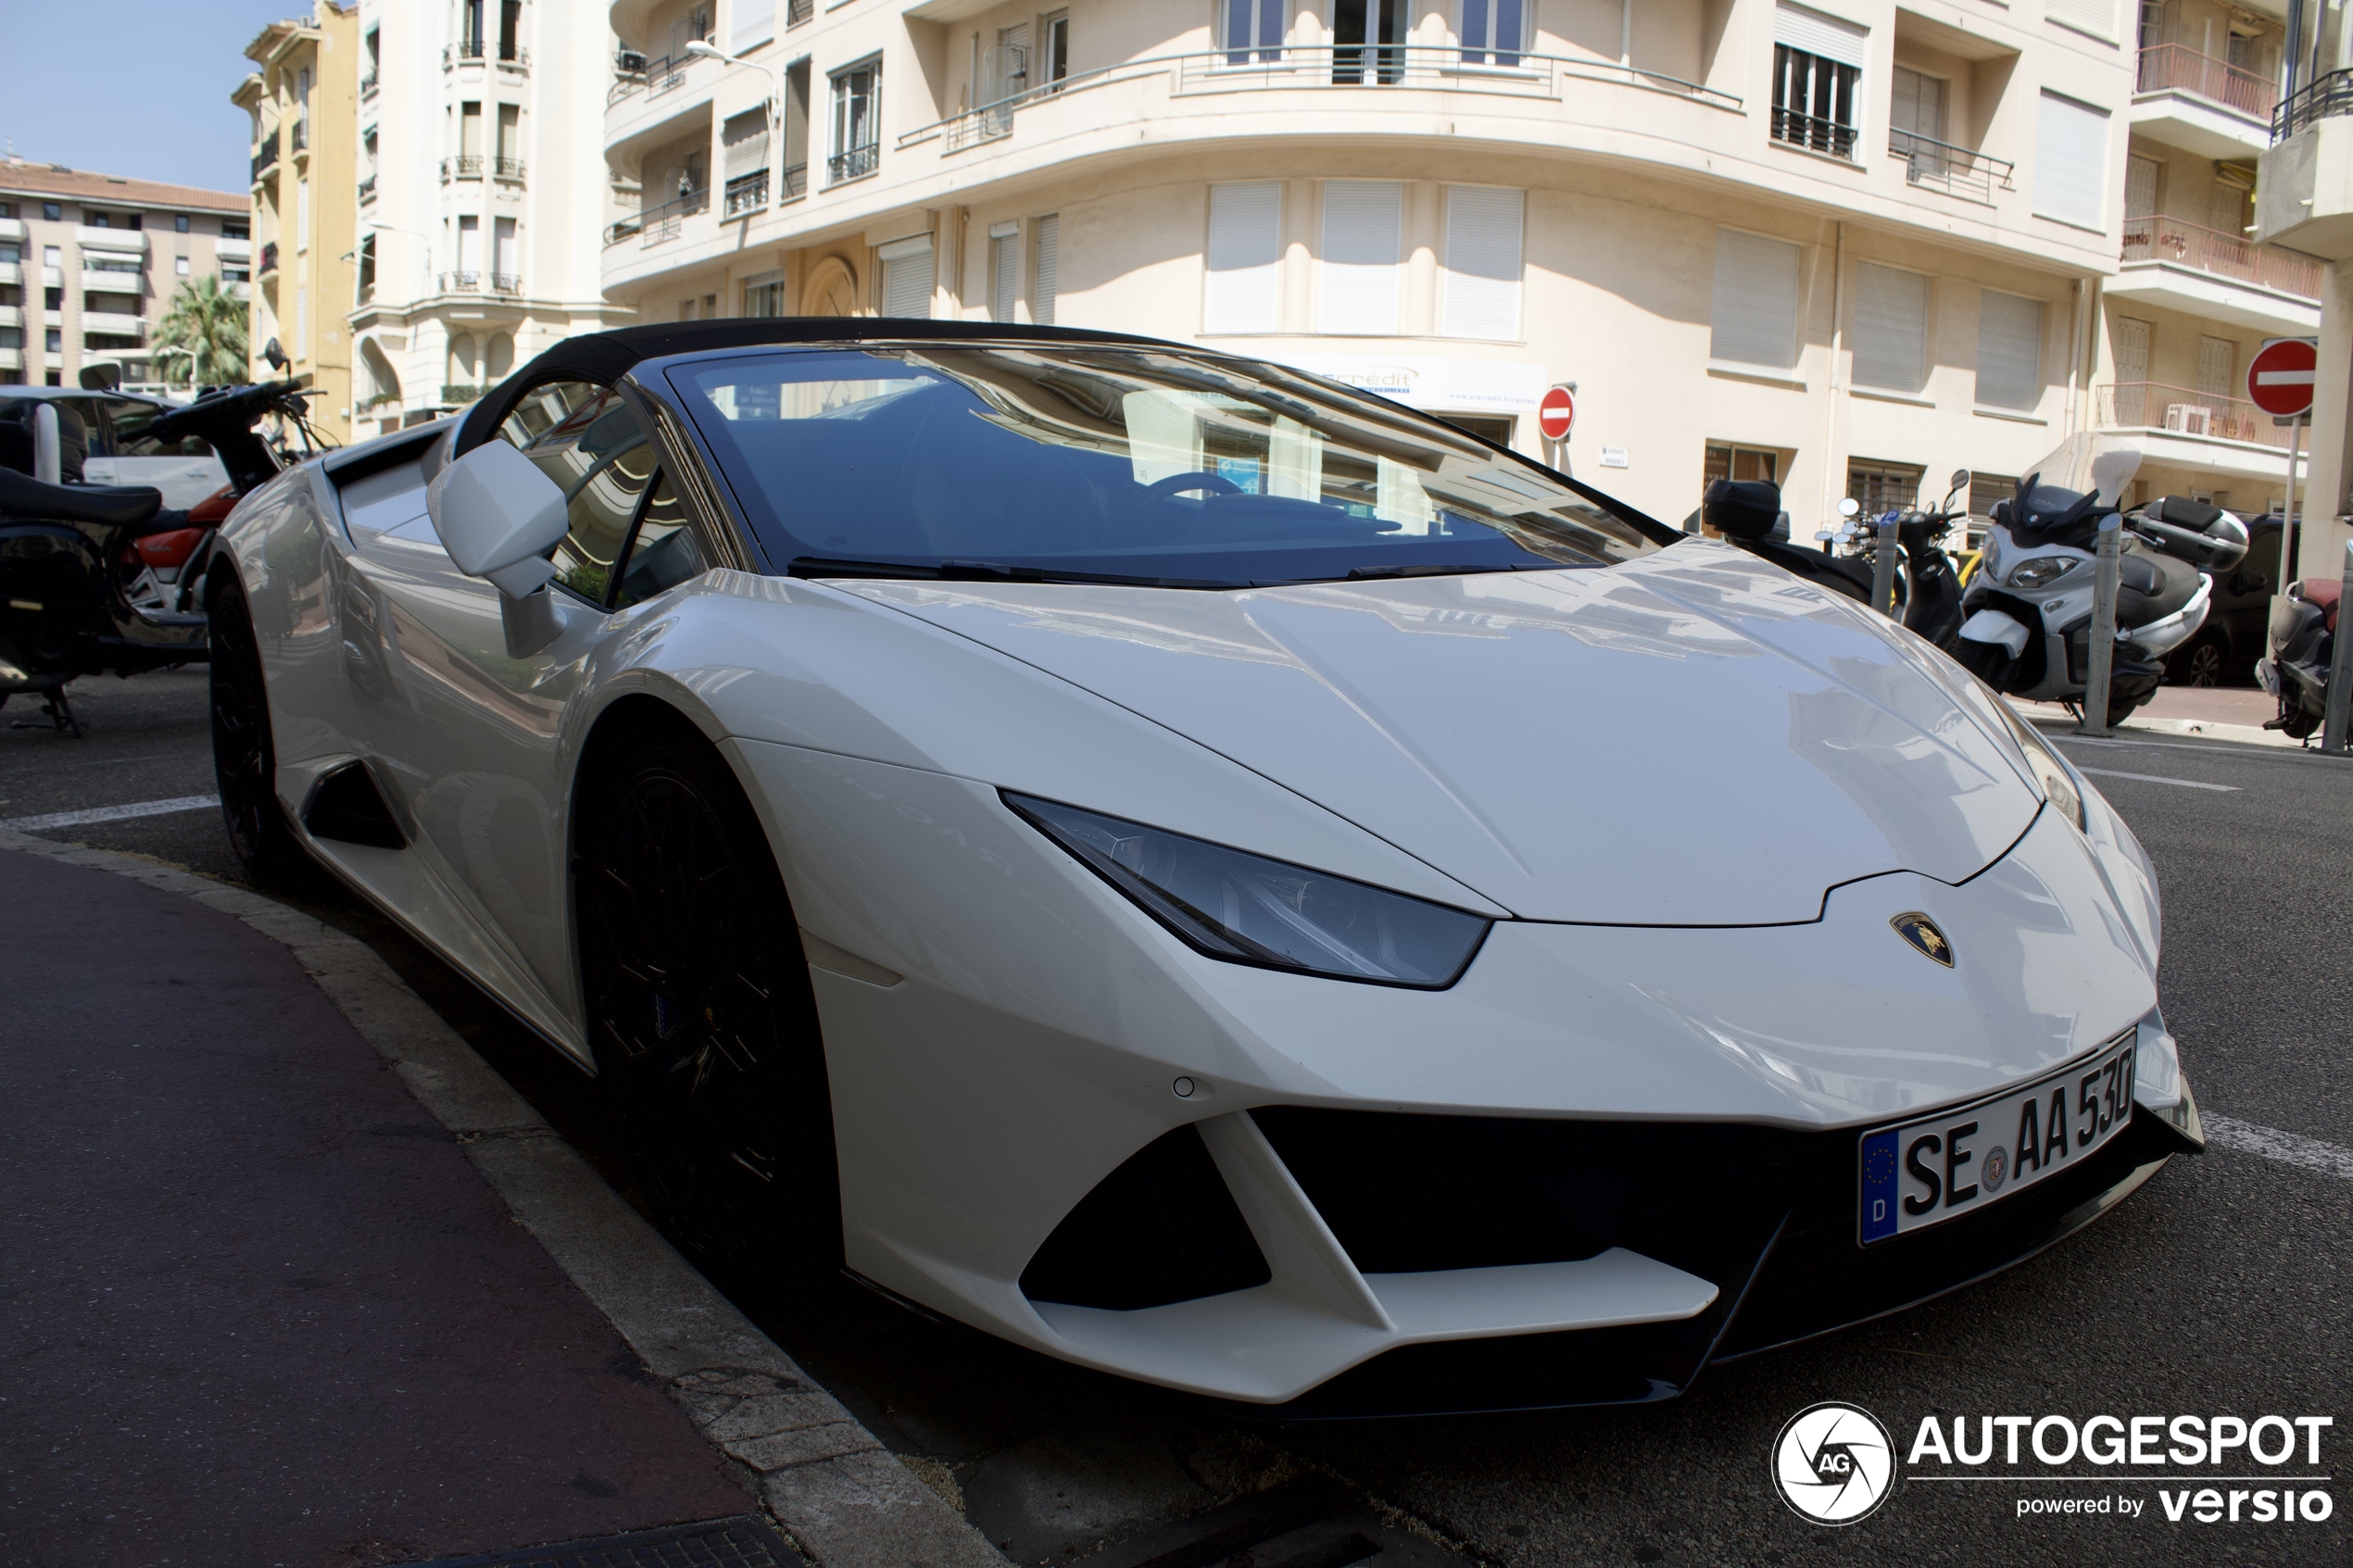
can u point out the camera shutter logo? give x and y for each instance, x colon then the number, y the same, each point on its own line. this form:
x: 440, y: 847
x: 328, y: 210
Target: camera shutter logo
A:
x: 1834, y: 1463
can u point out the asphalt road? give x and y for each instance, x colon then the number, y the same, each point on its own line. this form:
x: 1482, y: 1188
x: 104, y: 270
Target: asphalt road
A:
x: 2219, y: 1288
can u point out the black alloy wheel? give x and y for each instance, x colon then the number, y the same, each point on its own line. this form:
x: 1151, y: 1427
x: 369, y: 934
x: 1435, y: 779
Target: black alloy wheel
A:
x: 2200, y: 664
x: 245, y: 760
x: 699, y: 1006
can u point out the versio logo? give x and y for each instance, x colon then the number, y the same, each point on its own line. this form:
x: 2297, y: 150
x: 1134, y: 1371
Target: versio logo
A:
x: 1834, y: 1463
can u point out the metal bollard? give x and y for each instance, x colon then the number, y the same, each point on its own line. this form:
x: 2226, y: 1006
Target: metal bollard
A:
x: 1884, y: 570
x: 2103, y: 585
x: 2340, y: 694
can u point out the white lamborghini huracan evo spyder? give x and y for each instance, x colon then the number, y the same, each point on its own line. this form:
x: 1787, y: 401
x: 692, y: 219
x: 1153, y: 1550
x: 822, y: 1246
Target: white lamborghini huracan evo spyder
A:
x: 1195, y: 870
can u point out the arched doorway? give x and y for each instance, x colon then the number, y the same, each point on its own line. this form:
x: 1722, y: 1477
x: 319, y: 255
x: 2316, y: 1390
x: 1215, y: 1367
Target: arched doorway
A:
x: 831, y: 290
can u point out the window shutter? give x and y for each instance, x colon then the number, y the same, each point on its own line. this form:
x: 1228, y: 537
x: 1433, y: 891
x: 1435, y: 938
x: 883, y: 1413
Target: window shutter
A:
x: 745, y: 139
x: 2070, y: 168
x: 2009, y: 350
x: 2217, y: 357
x: 1363, y: 226
x: 1754, y: 315
x: 751, y: 21
x: 907, y: 277
x: 2131, y: 349
x: 1825, y: 36
x: 1483, y: 230
x: 1004, y: 265
x: 2140, y: 186
x: 1049, y: 278
x: 1891, y: 328
x: 2095, y: 16
x: 1245, y: 257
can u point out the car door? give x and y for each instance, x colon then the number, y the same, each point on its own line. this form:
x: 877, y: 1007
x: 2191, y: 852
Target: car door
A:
x: 186, y: 470
x: 466, y: 733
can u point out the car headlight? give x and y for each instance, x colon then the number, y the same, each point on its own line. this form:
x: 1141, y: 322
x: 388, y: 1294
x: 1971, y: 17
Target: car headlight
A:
x: 2040, y: 570
x: 2058, y: 784
x: 1246, y: 908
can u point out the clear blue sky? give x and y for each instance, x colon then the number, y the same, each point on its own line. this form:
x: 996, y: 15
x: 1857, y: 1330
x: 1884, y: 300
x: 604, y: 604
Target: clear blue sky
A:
x: 138, y: 88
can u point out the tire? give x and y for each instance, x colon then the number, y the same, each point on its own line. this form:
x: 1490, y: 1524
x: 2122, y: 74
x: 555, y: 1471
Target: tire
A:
x: 2200, y: 664
x: 698, y: 1004
x: 245, y: 757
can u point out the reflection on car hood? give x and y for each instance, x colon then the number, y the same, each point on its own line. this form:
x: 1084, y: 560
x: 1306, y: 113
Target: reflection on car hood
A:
x: 1696, y: 739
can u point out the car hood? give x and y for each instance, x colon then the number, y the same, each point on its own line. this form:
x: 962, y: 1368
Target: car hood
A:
x: 1694, y: 738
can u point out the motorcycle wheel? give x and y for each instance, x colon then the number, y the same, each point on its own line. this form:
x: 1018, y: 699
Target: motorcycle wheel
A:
x: 245, y: 759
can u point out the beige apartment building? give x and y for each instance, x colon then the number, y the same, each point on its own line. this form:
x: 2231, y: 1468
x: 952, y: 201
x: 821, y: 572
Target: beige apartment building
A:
x: 1843, y: 245
x: 302, y: 101
x: 481, y: 186
x: 89, y: 263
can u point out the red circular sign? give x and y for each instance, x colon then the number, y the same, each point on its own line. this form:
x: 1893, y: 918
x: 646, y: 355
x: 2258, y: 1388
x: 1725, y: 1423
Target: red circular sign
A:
x: 1555, y: 414
x: 2278, y: 380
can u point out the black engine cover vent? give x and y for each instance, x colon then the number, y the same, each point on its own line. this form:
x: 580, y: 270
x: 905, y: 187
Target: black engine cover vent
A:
x: 347, y: 807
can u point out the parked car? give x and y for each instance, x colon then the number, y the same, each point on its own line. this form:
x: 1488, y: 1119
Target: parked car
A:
x: 2224, y: 651
x: 120, y: 450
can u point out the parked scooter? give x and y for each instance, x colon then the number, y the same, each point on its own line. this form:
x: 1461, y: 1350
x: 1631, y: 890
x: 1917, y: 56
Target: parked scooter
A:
x: 2028, y: 606
x: 2296, y: 668
x: 84, y: 583
x: 1748, y: 514
x: 1927, y: 588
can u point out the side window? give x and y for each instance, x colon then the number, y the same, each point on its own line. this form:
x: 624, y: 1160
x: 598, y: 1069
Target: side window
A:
x: 585, y: 439
x: 666, y: 551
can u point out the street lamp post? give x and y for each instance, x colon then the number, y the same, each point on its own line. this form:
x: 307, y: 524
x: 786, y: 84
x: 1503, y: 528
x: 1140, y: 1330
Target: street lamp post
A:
x: 703, y: 49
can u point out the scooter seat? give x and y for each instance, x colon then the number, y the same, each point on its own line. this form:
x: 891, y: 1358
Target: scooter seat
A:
x: 2151, y: 586
x: 26, y: 498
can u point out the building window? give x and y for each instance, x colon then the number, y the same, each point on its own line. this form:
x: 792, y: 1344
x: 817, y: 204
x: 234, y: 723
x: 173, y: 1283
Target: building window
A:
x: 53, y: 212
x: 180, y: 223
x: 2095, y: 16
x: 2009, y: 350
x: 1495, y: 31
x: 1817, y: 61
x: 54, y: 340
x: 1245, y: 23
x: 1055, y: 61
x: 1480, y: 290
x: 98, y: 219
x: 180, y: 265
x: 236, y: 229
x: 795, y: 173
x: 510, y: 30
x: 907, y: 273
x: 1753, y: 316
x: 1741, y: 464
x: 52, y: 257
x: 8, y: 209
x: 506, y: 257
x: 744, y: 143
x: 1882, y: 487
x: 1046, y: 276
x: 749, y: 23
x: 857, y: 122
x: 2070, y: 162
x: 1363, y: 230
x: 764, y: 295
x: 1984, y: 490
x: 1891, y: 328
x: 1245, y: 257
x: 1004, y: 270
x: 2217, y: 360
x: 366, y: 267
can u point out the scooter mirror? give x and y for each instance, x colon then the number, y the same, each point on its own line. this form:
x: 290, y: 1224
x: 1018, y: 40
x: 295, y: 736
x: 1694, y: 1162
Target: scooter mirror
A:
x: 275, y: 355
x: 1961, y: 479
x: 1850, y: 506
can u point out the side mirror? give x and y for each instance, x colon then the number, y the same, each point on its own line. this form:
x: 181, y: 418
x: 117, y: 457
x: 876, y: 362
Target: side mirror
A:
x: 105, y: 376
x: 1848, y: 507
x: 499, y: 516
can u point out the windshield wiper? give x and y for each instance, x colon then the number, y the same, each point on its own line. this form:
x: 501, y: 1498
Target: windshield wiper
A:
x: 985, y: 572
x: 1424, y: 569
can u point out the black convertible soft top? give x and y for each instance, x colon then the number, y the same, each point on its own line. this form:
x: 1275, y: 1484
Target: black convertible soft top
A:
x: 607, y: 357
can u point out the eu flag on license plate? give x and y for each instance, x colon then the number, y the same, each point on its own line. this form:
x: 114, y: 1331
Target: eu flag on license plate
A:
x: 1879, y: 1185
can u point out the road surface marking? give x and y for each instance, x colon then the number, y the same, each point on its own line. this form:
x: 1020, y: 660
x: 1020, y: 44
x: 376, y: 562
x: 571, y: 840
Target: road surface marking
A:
x: 2155, y: 778
x: 2288, y: 1148
x: 111, y: 813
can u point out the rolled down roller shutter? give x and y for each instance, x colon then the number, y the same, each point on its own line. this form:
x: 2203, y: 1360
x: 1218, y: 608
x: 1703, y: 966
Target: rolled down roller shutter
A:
x: 1243, y: 294
x: 1754, y: 314
x: 907, y: 277
x: 1820, y: 34
x: 1483, y: 227
x: 2095, y: 16
x: 1363, y: 226
x: 2009, y: 350
x: 1891, y: 328
x: 2070, y: 162
x: 744, y: 140
x: 1048, y: 277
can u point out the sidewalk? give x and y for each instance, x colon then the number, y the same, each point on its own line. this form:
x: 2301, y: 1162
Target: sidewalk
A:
x: 2216, y: 712
x: 260, y: 1306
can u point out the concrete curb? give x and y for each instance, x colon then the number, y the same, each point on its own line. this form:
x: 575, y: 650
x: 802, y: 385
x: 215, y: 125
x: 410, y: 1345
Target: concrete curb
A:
x: 836, y: 1491
x: 2050, y: 714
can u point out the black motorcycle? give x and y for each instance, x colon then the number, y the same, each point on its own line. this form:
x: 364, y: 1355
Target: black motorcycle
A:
x: 68, y: 554
x: 2303, y: 645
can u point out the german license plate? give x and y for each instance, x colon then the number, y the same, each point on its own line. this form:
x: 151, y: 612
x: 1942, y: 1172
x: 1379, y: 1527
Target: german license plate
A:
x: 1957, y: 1162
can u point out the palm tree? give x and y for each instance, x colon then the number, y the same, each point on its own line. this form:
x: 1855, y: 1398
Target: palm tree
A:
x: 207, y: 325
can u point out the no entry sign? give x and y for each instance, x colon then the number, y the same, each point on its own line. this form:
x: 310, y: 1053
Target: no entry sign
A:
x: 2278, y: 378
x: 1557, y: 412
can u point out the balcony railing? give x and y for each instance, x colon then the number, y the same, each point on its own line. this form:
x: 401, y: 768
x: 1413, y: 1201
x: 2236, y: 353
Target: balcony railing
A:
x: 635, y: 73
x: 2226, y: 256
x: 657, y: 224
x: 854, y: 163
x: 2178, y: 68
x: 2177, y: 410
x: 454, y: 393
x: 367, y: 83
x: 1956, y: 172
x: 1813, y: 133
x: 460, y: 282
x: 464, y: 49
x: 506, y: 282
x: 267, y: 158
x: 465, y: 166
x: 512, y: 58
x: 270, y: 256
x: 796, y: 183
x: 367, y: 190
x: 367, y: 293
x: 747, y: 193
x: 1359, y: 68
x: 2318, y: 99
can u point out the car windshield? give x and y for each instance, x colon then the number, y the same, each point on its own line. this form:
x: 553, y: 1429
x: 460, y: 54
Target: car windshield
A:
x: 1117, y: 464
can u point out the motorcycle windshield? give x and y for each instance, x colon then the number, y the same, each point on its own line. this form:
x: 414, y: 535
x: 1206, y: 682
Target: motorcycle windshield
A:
x: 2088, y: 463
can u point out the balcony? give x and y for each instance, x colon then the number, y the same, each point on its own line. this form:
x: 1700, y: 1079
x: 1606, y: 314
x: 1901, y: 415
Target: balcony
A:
x: 505, y: 283
x: 464, y: 49
x: 465, y: 166
x: 2202, y: 104
x: 1956, y: 172
x: 747, y: 193
x: 113, y: 323
x: 116, y: 279
x: 457, y: 395
x: 225, y: 248
x: 266, y: 160
x: 2305, y: 197
x: 1813, y: 133
x: 460, y: 282
x: 2178, y: 427
x: 2228, y: 277
x: 856, y: 163
x: 506, y: 168
x: 367, y: 190
x: 367, y: 83
x: 657, y: 225
x: 512, y: 58
x: 11, y: 272
x: 268, y: 259
x: 636, y: 73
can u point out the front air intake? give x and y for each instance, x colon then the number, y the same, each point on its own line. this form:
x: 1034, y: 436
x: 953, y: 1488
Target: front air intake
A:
x: 1161, y: 1228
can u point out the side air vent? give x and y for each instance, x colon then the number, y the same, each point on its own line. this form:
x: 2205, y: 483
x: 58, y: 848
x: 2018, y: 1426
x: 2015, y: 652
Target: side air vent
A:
x: 347, y: 807
x: 1161, y: 1228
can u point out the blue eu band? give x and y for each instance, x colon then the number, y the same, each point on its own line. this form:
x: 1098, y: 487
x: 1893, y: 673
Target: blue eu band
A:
x: 1879, y: 1186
